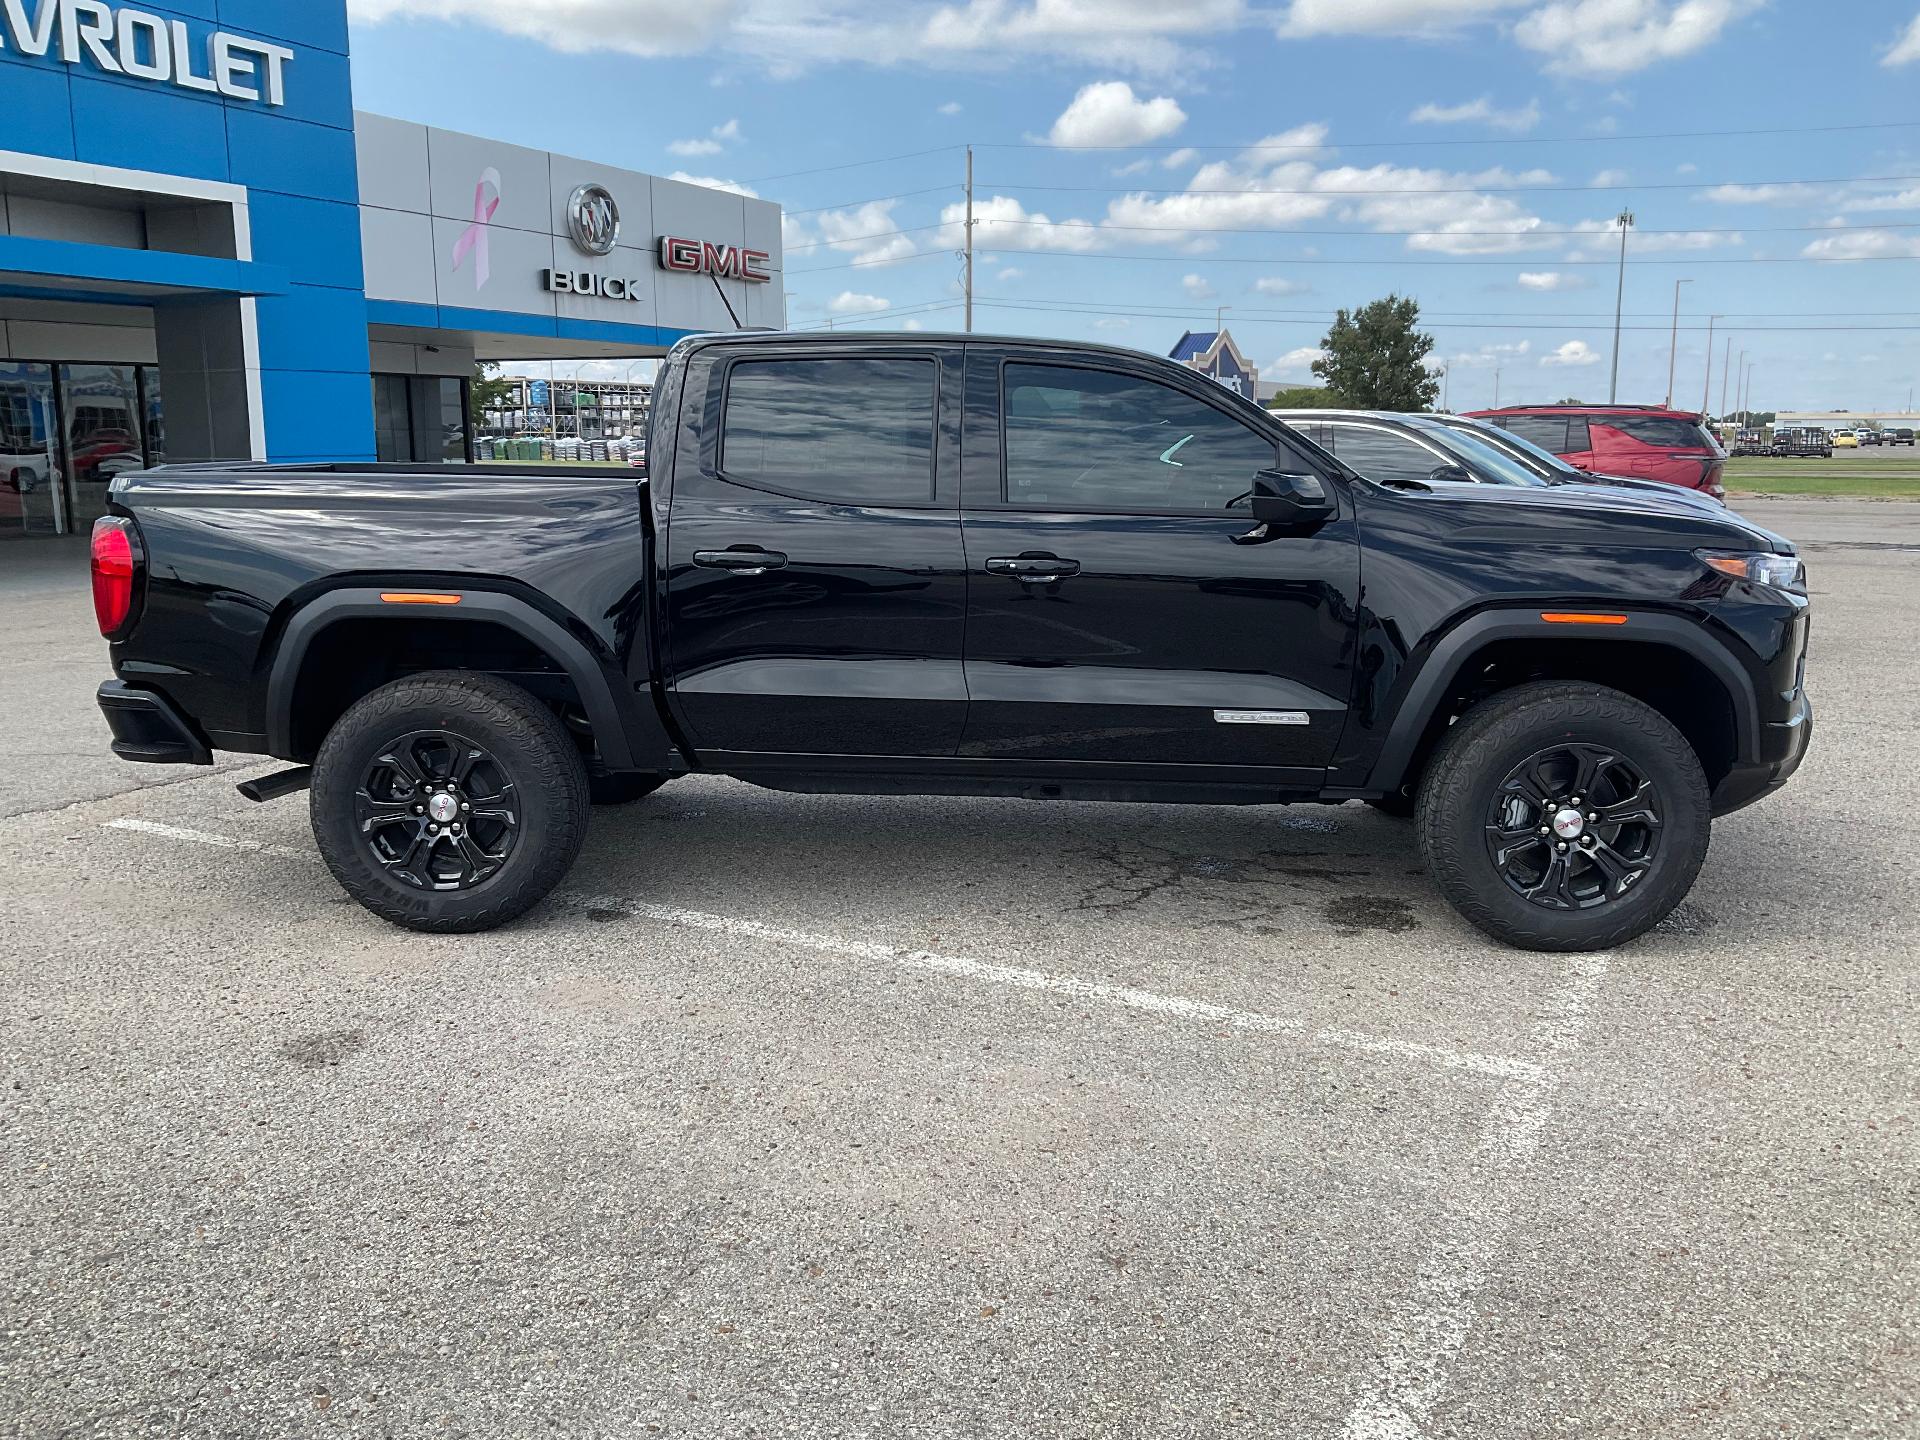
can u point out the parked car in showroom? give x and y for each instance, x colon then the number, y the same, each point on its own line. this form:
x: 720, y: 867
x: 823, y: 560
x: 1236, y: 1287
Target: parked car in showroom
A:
x: 1643, y: 442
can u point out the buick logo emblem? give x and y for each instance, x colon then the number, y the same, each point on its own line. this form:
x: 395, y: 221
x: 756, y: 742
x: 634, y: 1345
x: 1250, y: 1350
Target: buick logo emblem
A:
x: 593, y: 219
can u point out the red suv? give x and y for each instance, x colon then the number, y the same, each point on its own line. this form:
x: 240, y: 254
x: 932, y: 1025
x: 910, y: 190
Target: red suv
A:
x: 1641, y: 442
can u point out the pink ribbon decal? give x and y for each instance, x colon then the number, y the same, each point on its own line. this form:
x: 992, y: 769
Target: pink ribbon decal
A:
x: 473, y: 240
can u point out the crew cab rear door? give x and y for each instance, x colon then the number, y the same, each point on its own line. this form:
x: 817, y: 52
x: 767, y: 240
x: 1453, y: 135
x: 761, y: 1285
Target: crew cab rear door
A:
x: 815, y: 588
x: 1123, y: 611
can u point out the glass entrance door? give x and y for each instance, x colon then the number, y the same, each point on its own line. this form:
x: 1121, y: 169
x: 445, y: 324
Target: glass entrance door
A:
x: 31, y: 502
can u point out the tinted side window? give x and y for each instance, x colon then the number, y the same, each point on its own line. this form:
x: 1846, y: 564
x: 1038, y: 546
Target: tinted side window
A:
x: 1579, y: 438
x: 1095, y: 440
x: 1549, y: 432
x: 1661, y: 430
x: 1384, y: 454
x: 856, y: 431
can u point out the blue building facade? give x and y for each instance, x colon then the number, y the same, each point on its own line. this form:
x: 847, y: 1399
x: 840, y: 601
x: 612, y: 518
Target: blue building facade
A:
x: 186, y: 252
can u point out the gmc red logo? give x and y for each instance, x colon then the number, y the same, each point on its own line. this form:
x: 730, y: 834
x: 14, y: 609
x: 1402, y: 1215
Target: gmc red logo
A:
x: 703, y: 257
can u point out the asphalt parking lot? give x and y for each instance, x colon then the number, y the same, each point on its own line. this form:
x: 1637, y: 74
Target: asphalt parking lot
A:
x: 824, y: 1116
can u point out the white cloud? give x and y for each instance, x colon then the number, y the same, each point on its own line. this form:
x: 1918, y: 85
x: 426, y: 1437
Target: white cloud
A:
x: 911, y: 324
x: 1863, y: 245
x: 788, y: 36
x: 952, y: 107
x: 1011, y: 272
x: 1611, y: 37
x: 1481, y: 111
x: 715, y: 184
x: 1906, y: 49
x: 713, y: 143
x: 1113, y: 322
x: 1549, y: 280
x: 1893, y: 200
x: 1108, y: 114
x: 1686, y: 167
x: 1574, y: 352
x: 1792, y: 192
x: 1003, y: 222
x: 862, y: 231
x: 1490, y: 355
x: 1278, y: 285
x: 1180, y: 159
x: 1295, y: 362
x: 1372, y: 17
x: 1197, y: 287
x: 1610, y: 177
x: 852, y: 302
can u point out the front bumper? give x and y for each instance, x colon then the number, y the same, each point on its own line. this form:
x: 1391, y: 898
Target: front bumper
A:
x: 1784, y: 746
x: 148, y: 728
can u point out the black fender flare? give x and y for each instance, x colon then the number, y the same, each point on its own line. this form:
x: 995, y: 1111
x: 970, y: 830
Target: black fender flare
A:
x: 612, y: 732
x: 1437, y: 673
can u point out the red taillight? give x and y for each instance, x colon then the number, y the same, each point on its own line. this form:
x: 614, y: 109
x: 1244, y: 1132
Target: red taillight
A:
x: 113, y: 573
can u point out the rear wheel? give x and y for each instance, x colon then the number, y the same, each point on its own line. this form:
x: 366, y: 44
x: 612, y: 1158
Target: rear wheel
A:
x: 449, y: 801
x: 1564, y: 817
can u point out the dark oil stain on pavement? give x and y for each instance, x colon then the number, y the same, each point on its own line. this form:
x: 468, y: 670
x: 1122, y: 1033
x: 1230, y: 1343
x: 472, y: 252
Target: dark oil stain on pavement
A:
x: 1352, y: 914
x: 328, y: 1048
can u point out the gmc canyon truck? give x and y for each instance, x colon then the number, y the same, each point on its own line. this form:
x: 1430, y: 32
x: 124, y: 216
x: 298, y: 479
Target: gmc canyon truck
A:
x: 907, y: 565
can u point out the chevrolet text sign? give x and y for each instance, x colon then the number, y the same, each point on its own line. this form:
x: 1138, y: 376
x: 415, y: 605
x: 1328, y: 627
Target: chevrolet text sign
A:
x: 124, y: 41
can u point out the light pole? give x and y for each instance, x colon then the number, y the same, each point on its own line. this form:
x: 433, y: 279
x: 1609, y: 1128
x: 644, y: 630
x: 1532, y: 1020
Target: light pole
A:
x: 1625, y: 222
x: 1726, y: 365
x: 1496, y: 384
x: 1706, y: 386
x: 1673, y: 340
x: 1739, y: 390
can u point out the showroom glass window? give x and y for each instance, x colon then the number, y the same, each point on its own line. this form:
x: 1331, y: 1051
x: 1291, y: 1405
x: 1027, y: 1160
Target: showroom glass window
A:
x: 30, y: 499
x: 1100, y: 440
x: 858, y: 432
x: 103, y: 414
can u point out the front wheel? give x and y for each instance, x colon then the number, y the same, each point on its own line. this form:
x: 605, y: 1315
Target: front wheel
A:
x: 449, y: 802
x: 1560, y: 816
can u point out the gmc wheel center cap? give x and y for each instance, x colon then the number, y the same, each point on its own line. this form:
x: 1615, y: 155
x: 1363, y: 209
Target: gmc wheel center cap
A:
x: 1569, y: 824
x: 443, y: 807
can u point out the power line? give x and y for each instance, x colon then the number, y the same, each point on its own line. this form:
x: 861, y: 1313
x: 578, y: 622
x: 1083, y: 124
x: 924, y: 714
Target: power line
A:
x: 1506, y: 260
x: 1385, y: 234
x: 1331, y: 193
x: 1482, y: 140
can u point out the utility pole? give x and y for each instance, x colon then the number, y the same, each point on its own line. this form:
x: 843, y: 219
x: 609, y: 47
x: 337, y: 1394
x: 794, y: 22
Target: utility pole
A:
x: 1444, y: 377
x: 1496, y: 384
x: 1219, y: 317
x: 1625, y: 222
x: 969, y: 280
x: 1706, y: 386
x: 1740, y: 388
x: 1726, y: 365
x: 1673, y: 340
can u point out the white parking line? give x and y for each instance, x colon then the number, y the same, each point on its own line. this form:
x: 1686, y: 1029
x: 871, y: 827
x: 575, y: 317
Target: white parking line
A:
x: 1409, y: 1378
x: 1519, y: 1073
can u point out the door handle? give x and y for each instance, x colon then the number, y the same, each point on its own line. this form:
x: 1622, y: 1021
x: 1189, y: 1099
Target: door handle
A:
x: 1033, y: 569
x: 740, y: 560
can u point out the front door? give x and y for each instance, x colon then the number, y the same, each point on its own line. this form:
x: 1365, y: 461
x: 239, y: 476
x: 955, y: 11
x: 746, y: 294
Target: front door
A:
x: 1124, y: 608
x: 816, y: 585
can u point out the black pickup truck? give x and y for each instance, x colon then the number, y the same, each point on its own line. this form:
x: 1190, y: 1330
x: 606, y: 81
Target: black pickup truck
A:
x: 962, y: 566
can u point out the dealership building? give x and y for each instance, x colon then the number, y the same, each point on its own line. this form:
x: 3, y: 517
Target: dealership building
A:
x: 206, y: 252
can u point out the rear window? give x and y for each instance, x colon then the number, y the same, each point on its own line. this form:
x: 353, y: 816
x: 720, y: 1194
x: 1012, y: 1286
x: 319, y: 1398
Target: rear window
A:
x: 1662, y: 430
x: 1549, y: 432
x: 855, y: 431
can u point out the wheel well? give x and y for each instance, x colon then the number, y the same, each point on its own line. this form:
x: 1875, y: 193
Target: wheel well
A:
x: 1662, y: 676
x: 352, y: 658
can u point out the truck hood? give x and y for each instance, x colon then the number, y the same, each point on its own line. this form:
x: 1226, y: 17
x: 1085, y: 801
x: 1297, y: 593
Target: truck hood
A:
x: 1709, y: 521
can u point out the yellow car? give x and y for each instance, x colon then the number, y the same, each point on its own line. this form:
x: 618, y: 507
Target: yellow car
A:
x: 1845, y: 440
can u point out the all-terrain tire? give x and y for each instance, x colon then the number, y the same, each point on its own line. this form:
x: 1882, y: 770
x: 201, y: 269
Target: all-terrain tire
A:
x: 623, y: 788
x: 1458, y: 791
x: 527, y: 742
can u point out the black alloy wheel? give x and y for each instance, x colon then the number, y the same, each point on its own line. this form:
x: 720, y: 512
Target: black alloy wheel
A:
x: 1574, y: 826
x: 438, y: 811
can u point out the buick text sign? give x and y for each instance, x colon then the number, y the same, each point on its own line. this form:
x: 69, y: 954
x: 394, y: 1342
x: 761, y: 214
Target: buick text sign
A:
x: 703, y: 257
x: 593, y: 285
x: 124, y: 41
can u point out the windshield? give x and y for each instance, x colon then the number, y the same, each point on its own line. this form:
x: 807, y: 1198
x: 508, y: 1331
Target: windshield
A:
x: 1483, y: 459
x: 1536, y: 458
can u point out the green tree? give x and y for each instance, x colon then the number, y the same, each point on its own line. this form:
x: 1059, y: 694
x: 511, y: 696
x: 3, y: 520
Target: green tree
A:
x: 1299, y: 397
x: 488, y: 391
x: 1376, y: 358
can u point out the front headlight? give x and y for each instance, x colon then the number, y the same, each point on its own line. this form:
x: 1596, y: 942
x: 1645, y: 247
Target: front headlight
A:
x: 1780, y: 572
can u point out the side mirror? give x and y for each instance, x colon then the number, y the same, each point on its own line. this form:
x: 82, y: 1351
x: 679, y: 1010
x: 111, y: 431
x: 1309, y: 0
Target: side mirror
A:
x: 1283, y: 501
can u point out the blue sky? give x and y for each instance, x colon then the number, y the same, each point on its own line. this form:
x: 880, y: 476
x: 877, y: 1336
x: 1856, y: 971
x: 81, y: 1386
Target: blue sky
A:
x: 1140, y: 162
